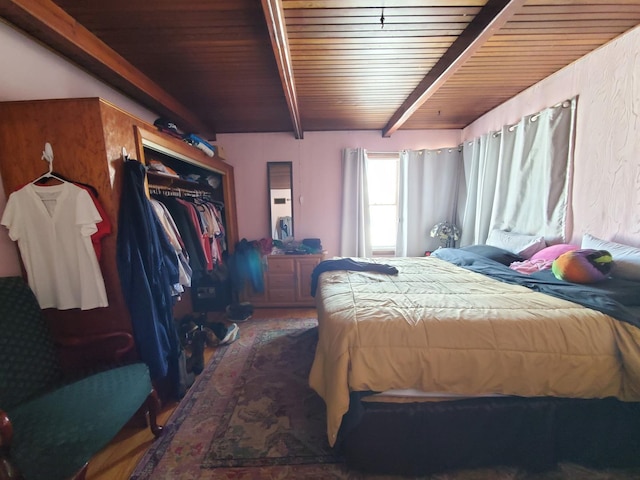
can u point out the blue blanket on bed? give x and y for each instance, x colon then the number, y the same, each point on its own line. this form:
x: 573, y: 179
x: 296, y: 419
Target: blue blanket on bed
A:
x: 544, y: 281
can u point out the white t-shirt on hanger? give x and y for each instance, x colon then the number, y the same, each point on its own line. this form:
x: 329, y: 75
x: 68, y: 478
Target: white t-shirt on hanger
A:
x: 53, y: 227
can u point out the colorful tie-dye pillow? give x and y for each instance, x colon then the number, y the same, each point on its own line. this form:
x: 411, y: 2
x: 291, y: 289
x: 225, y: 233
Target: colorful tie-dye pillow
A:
x: 583, y: 266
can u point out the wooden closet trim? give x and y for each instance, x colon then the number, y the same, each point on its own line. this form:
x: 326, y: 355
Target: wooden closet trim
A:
x: 180, y: 150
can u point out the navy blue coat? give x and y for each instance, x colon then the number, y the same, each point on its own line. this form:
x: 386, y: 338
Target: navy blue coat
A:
x: 148, y: 267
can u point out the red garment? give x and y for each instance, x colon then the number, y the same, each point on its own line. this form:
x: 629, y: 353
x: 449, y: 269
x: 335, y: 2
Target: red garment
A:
x: 104, y: 227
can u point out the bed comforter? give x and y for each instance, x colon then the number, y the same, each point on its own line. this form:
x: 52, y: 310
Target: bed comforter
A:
x: 438, y: 327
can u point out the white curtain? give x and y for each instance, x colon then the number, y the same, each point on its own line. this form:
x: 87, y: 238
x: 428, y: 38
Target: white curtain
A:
x: 355, y: 239
x: 428, y: 193
x: 480, y: 159
x: 519, y: 178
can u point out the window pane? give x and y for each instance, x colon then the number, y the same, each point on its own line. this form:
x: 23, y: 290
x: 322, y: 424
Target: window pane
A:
x: 382, y: 176
x: 383, y: 226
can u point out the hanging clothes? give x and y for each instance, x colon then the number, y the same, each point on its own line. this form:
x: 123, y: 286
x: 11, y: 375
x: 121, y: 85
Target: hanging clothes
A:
x: 53, y: 227
x: 246, y: 266
x: 198, y: 224
x: 173, y: 234
x: 147, y: 265
x: 103, y: 226
x: 217, y: 232
x: 188, y: 232
x: 201, y: 227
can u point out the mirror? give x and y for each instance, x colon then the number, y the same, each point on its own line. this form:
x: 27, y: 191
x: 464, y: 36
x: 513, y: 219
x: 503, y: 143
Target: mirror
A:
x: 280, y: 178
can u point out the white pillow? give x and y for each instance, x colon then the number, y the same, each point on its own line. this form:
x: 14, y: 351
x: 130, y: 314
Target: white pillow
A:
x: 518, y: 243
x: 626, y: 259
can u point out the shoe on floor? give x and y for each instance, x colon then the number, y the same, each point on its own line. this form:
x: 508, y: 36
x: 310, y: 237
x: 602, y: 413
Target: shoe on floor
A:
x: 239, y: 312
x: 232, y: 334
x: 211, y: 338
x: 195, y: 363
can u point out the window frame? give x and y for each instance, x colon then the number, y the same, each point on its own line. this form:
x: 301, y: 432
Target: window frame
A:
x: 385, y: 250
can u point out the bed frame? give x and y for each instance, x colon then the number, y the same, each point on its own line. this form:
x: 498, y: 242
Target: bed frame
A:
x: 532, y: 433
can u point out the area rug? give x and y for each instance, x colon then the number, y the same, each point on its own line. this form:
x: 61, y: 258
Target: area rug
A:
x: 250, y: 408
x: 251, y: 415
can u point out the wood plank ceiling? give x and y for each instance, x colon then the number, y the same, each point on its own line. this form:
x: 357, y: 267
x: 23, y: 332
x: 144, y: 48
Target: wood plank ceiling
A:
x: 223, y: 66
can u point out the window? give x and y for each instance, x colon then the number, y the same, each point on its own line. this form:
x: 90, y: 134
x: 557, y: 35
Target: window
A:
x: 382, y: 179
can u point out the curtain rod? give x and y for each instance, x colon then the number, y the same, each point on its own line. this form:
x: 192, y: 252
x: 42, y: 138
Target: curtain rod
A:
x: 371, y: 152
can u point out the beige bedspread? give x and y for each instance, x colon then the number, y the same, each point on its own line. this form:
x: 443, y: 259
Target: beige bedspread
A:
x: 440, y: 328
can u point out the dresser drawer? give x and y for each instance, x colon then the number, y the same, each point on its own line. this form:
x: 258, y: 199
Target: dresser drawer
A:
x: 278, y: 280
x: 287, y: 282
x: 282, y: 264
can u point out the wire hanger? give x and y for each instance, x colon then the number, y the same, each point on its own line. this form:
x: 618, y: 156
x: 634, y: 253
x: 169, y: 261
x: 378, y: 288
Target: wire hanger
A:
x: 47, y: 155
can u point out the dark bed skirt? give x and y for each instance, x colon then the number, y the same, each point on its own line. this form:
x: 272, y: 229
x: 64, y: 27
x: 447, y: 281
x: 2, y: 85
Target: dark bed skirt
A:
x: 531, y: 433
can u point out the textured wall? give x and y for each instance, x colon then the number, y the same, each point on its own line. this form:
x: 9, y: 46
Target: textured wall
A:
x: 607, y: 173
x: 606, y: 183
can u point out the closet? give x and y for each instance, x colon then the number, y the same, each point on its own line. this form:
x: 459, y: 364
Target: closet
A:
x: 88, y: 137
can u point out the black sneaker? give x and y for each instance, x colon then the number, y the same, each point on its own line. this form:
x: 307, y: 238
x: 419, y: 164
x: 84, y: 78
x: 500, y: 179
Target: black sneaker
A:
x: 239, y: 312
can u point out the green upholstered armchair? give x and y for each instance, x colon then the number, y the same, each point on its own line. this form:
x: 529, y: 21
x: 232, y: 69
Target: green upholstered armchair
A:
x: 51, y: 427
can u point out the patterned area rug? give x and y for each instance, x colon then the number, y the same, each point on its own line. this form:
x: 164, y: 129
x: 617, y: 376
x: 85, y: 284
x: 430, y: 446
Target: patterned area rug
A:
x: 251, y: 415
x: 274, y: 418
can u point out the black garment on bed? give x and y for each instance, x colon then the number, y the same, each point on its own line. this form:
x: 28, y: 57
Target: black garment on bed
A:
x: 348, y: 264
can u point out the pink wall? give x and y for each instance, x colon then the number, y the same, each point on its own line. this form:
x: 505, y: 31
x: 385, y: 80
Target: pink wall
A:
x: 317, y: 175
x: 606, y: 184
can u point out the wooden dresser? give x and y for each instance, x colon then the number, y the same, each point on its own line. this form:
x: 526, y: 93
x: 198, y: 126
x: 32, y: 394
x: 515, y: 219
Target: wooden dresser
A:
x: 287, y: 282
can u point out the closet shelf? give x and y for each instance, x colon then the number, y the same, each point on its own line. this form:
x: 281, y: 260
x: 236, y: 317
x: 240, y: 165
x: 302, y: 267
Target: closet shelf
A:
x: 161, y: 180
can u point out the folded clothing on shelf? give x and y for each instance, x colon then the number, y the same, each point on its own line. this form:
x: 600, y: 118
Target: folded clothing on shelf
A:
x: 199, y: 143
x: 168, y: 127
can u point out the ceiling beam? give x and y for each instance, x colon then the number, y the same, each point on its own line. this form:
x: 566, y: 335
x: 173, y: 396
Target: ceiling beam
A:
x: 274, y: 14
x: 48, y: 23
x: 488, y: 21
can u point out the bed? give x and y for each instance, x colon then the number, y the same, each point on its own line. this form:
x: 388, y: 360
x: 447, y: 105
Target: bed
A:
x: 458, y: 361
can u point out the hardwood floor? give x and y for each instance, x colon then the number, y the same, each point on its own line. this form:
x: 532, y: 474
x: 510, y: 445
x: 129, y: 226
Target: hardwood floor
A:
x: 118, y: 459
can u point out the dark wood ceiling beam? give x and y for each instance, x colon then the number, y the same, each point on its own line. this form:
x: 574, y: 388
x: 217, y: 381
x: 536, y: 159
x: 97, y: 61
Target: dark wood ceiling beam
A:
x: 488, y: 21
x: 51, y: 25
x: 274, y: 16
x: 335, y: 4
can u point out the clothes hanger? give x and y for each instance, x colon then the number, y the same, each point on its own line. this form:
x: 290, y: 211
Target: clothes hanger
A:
x: 47, y: 155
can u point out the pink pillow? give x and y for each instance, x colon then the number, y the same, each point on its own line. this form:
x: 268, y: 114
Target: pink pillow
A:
x: 553, y: 252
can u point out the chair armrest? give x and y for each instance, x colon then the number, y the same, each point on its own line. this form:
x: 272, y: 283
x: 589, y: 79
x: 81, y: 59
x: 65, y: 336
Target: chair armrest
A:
x: 123, y: 339
x: 6, y: 430
x: 7, y: 469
